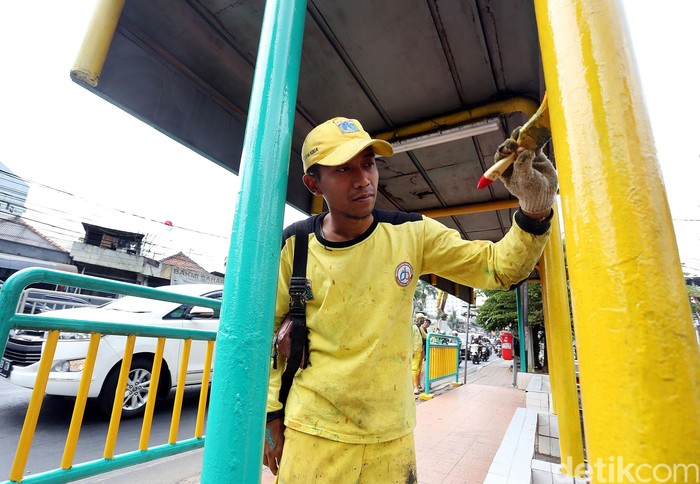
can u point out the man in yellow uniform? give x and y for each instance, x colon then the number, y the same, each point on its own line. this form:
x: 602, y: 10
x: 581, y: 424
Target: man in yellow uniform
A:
x: 418, y: 337
x: 350, y: 414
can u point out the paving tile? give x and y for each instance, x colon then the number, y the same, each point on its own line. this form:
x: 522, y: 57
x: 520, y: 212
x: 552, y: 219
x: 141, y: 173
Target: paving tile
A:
x: 474, y: 472
x: 495, y: 479
x: 459, y: 480
x: 459, y: 432
x: 429, y: 476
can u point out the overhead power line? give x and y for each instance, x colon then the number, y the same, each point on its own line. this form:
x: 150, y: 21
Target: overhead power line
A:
x: 32, y: 184
x: 64, y: 227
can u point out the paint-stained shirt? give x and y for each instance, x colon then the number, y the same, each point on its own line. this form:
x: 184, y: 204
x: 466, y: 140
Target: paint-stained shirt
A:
x: 357, y: 388
x: 417, y: 339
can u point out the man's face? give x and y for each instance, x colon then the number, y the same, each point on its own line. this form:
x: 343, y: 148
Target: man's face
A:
x: 349, y: 189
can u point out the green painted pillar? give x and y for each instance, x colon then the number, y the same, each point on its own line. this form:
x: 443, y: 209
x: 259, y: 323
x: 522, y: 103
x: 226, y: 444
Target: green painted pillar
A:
x: 520, y: 297
x: 236, y: 421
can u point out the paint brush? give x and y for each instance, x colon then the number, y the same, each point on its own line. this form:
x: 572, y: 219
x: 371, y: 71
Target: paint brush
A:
x: 533, y: 135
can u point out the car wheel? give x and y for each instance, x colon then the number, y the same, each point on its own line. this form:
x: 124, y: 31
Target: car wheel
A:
x: 137, y: 384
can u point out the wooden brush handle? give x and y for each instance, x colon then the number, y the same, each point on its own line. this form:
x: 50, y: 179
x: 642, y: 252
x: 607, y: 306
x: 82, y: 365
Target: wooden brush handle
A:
x: 533, y: 135
x: 499, y: 167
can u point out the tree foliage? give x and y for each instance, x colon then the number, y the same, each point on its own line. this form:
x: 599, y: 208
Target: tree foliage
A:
x: 499, y: 310
x: 423, y: 290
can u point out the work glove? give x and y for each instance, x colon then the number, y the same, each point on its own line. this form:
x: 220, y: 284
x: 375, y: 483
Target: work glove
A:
x: 531, y: 178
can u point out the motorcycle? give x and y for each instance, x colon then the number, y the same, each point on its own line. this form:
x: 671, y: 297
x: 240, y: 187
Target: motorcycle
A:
x: 474, y: 354
x: 484, y: 353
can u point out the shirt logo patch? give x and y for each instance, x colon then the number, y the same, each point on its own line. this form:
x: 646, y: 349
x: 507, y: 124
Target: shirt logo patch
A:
x: 347, y: 126
x: 403, y: 274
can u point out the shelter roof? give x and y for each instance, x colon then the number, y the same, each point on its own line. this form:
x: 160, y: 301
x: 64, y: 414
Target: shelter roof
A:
x: 402, y: 67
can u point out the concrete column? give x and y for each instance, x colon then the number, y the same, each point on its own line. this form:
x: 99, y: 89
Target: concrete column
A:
x: 236, y: 422
x: 562, y: 375
x: 639, y: 362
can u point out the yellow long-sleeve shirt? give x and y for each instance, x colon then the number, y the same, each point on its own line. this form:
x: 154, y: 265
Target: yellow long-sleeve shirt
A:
x: 417, y: 338
x: 357, y: 388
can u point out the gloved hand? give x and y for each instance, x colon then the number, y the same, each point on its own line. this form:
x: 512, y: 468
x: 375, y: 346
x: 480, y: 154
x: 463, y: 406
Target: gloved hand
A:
x: 531, y: 178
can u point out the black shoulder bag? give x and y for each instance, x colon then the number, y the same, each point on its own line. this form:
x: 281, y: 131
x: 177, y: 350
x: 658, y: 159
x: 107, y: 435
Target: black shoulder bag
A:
x: 292, y: 340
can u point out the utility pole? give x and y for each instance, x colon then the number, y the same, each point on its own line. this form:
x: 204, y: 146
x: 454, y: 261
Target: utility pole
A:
x: 466, y: 340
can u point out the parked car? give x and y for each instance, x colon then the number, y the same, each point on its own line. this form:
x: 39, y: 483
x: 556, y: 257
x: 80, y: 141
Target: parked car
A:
x: 462, y: 344
x: 21, y: 359
x: 36, y: 302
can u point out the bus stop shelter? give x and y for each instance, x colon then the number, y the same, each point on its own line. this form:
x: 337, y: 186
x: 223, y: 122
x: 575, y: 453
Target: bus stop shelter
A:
x: 445, y: 82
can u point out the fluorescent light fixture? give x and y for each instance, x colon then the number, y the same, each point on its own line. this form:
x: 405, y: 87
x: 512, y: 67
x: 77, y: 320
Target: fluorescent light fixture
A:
x: 445, y: 136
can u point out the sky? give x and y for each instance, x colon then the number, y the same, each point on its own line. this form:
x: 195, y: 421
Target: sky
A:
x: 52, y: 131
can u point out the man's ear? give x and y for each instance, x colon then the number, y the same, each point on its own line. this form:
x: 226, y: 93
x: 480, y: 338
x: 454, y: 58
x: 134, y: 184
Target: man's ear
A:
x: 312, y: 184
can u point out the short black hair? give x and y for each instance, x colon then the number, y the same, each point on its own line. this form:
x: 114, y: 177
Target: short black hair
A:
x: 314, y: 171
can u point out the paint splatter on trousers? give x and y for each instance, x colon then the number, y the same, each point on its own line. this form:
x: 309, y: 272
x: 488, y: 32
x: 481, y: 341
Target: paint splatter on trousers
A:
x: 308, y: 458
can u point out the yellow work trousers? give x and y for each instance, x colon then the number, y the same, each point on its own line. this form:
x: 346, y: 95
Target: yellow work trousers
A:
x: 416, y: 363
x: 311, y: 459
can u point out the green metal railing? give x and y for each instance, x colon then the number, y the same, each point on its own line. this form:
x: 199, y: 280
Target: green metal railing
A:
x: 441, y: 359
x: 9, y: 297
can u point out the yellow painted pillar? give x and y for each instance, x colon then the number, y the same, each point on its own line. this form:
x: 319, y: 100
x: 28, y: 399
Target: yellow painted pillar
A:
x: 549, y: 339
x: 316, y: 204
x: 639, y: 362
x: 562, y: 374
x: 91, y: 58
x: 547, y: 329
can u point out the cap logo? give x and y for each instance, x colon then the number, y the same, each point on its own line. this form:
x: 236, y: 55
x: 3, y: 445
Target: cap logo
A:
x: 310, y: 153
x: 346, y: 126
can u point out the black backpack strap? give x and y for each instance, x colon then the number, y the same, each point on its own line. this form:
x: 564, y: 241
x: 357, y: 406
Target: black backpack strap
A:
x: 297, y: 309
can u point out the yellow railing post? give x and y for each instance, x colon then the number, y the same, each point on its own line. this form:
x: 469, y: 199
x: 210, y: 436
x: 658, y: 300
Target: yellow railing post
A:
x: 115, y: 419
x: 80, y: 402
x: 204, y: 391
x: 152, y: 395
x: 560, y: 342
x: 32, y: 416
x: 637, y: 352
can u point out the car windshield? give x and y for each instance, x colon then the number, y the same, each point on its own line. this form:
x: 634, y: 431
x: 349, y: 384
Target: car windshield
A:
x: 135, y: 304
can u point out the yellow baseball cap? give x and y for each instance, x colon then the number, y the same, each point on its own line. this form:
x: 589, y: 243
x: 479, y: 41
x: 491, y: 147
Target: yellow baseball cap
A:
x: 337, y: 141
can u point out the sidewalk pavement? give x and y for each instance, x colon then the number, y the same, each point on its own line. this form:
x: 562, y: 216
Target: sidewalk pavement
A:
x: 457, y: 436
x: 459, y: 431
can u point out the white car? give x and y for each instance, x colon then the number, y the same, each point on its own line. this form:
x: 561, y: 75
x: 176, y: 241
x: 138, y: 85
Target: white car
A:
x: 21, y: 359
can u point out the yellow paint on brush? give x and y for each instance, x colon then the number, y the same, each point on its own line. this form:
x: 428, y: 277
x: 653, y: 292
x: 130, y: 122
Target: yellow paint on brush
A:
x: 537, y: 131
x: 533, y: 135
x: 80, y: 401
x: 32, y: 416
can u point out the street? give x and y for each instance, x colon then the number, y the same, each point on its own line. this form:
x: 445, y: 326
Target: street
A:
x: 472, y: 370
x: 54, y: 420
